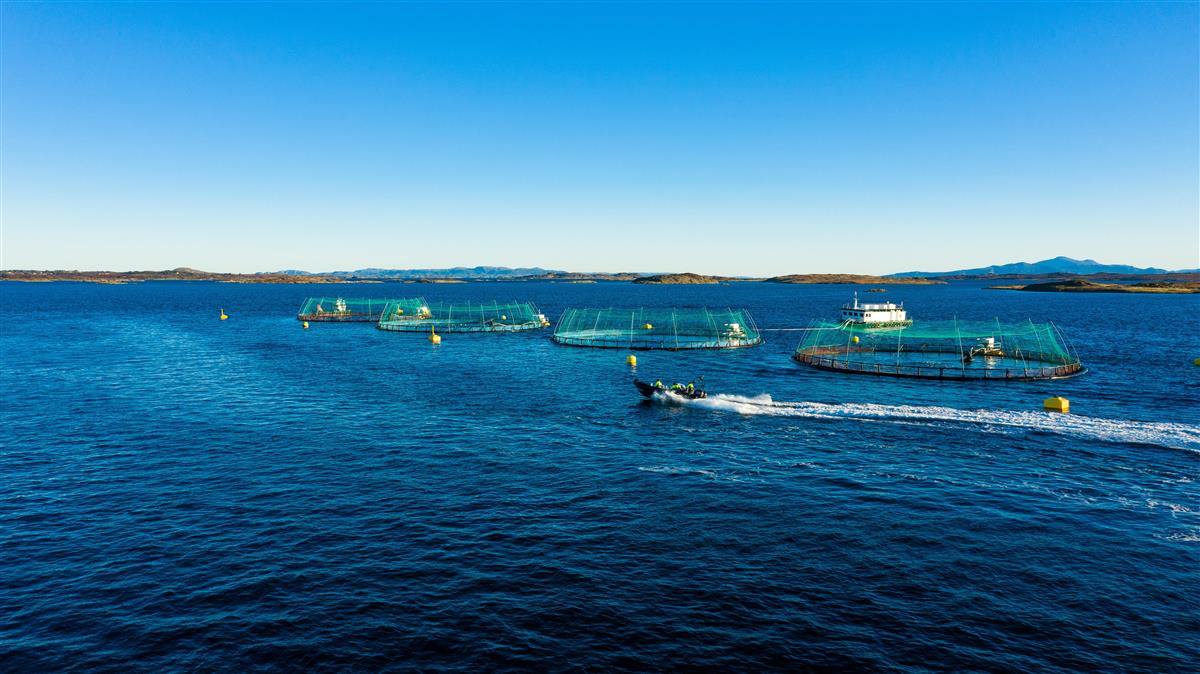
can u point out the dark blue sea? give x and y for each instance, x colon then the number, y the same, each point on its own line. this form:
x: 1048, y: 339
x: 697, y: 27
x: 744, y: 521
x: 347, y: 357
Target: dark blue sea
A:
x: 179, y: 493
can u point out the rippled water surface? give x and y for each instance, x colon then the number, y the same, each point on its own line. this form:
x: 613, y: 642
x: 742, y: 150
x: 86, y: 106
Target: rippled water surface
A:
x: 182, y: 493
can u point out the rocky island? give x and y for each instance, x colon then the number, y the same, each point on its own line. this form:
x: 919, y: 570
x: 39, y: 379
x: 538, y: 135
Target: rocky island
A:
x: 1081, y: 286
x: 851, y: 278
x: 686, y: 278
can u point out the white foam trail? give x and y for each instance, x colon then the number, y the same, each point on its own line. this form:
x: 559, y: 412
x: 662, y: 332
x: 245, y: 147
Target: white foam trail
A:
x: 678, y: 470
x: 1172, y: 435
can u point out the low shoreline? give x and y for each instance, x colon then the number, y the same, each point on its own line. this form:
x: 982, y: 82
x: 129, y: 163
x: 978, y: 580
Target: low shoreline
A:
x: 1081, y: 286
x: 1183, y: 283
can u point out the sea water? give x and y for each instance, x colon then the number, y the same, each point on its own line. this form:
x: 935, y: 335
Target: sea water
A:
x: 183, y: 493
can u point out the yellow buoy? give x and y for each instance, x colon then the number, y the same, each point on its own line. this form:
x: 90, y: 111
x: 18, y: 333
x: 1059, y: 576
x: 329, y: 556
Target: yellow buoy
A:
x: 632, y: 360
x: 854, y: 339
x: 1196, y: 362
x: 305, y: 325
x: 503, y: 317
x: 1057, y: 404
x: 647, y: 327
x: 434, y: 337
x: 224, y: 317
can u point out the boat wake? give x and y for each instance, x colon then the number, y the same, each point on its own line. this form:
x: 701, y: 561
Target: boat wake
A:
x: 1171, y: 435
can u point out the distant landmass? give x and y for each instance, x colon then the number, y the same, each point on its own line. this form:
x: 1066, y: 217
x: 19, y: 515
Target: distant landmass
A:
x: 686, y: 278
x: 1080, y: 286
x: 178, y: 274
x: 1057, y: 269
x: 1057, y: 265
x: 850, y: 278
x: 482, y: 272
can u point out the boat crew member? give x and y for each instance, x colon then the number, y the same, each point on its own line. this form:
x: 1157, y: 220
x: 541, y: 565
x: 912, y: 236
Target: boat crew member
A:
x: 658, y: 384
x: 691, y: 388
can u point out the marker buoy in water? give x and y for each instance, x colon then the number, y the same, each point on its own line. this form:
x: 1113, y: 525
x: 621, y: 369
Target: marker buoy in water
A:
x: 224, y: 316
x: 305, y: 325
x: 631, y: 360
x: 1057, y: 404
x: 434, y: 337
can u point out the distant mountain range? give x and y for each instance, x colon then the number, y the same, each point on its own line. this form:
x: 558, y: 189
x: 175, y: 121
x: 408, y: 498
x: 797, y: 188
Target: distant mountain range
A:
x: 451, y: 272
x: 1057, y: 265
x: 1056, y: 268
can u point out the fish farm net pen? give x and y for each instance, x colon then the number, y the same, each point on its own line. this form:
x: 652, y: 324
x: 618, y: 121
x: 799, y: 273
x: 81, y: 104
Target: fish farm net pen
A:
x: 469, y: 317
x: 670, y: 329
x: 953, y: 350
x: 350, y: 309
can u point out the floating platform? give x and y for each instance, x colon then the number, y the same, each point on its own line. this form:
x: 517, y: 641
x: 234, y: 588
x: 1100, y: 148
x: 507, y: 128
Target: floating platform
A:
x: 949, y: 350
x: 669, y: 329
x: 470, y: 317
x: 349, y: 309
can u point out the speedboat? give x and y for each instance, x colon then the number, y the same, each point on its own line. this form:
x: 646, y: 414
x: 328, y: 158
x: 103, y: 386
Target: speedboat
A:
x: 649, y: 390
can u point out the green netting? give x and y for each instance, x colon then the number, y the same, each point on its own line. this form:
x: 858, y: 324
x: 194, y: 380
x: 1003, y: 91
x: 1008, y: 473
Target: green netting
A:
x: 657, y: 328
x: 398, y: 310
x: 941, y: 350
x: 347, y: 308
x: 484, y: 317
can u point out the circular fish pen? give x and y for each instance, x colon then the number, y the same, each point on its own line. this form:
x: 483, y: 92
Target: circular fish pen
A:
x: 666, y: 329
x: 485, y: 317
x: 951, y: 350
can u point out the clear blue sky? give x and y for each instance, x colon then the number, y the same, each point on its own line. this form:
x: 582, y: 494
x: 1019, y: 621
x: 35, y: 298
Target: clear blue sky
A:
x: 738, y: 139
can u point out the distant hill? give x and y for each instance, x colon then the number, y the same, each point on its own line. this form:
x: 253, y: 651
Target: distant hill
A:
x: 177, y: 274
x: 1057, y: 265
x: 686, y: 278
x: 573, y: 276
x: 1081, y: 286
x: 449, y: 272
x: 849, y: 278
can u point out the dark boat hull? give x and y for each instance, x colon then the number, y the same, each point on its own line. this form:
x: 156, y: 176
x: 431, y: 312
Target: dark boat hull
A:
x: 649, y: 390
x: 644, y: 388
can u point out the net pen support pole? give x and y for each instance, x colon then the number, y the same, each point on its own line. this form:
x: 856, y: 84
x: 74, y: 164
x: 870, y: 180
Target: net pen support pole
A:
x: 561, y: 318
x: 1069, y: 352
x: 675, y: 328
x: 632, y: 318
x: 757, y: 333
x: 713, y: 324
x: 962, y: 361
x: 1038, y: 338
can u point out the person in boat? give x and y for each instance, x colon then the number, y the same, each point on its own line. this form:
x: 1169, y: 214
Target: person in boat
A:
x: 677, y: 387
x: 658, y: 384
x: 691, y: 388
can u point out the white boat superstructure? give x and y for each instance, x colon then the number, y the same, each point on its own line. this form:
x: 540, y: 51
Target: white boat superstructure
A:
x: 881, y: 314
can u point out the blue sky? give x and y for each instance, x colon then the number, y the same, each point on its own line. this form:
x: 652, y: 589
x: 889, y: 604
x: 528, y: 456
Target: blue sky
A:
x: 719, y: 138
